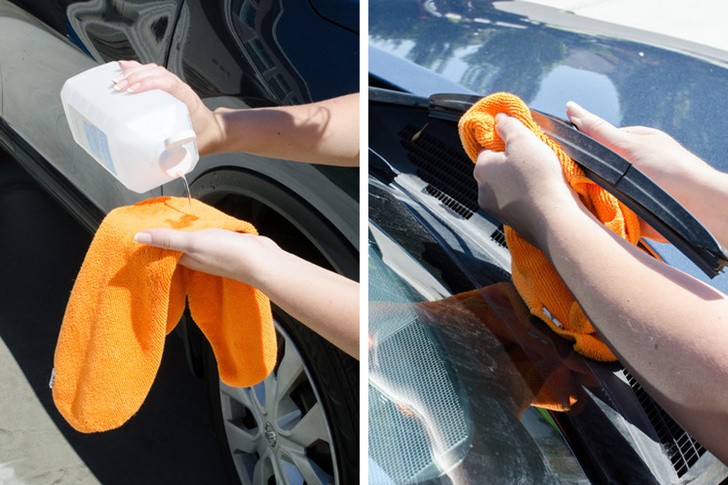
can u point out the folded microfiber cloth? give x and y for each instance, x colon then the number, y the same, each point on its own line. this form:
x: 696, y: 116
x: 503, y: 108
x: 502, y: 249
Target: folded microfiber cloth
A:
x: 538, y: 283
x: 128, y: 297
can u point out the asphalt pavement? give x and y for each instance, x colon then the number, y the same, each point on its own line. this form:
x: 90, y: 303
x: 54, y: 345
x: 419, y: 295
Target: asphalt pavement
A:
x: 170, y: 440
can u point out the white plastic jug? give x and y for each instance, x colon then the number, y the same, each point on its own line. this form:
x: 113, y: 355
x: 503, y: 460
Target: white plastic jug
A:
x: 144, y: 139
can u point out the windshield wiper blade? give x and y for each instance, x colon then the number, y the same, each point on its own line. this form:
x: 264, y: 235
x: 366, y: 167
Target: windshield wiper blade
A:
x: 619, y: 177
x: 634, y: 189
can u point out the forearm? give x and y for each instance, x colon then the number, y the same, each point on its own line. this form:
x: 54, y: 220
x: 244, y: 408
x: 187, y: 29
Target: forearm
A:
x: 326, y: 132
x: 669, y: 329
x: 324, y: 301
x: 693, y: 182
x: 704, y: 192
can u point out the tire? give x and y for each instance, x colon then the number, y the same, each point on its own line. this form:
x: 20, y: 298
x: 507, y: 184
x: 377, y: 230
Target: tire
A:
x: 306, y: 434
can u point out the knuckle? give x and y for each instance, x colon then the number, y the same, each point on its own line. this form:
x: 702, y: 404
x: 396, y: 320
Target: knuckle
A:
x: 480, y: 168
x: 597, y: 122
x: 165, y: 241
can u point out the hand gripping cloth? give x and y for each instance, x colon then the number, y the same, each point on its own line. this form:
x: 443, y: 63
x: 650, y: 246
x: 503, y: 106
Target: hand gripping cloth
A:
x: 538, y: 283
x: 128, y: 297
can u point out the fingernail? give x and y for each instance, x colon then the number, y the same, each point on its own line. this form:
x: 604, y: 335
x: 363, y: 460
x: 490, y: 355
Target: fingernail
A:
x: 143, y: 238
x: 577, y: 113
x: 121, y: 85
x: 133, y: 87
x: 118, y: 77
x: 500, y: 117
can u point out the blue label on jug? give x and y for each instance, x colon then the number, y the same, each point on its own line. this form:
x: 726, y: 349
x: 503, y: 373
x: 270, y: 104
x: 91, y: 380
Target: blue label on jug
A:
x: 99, y: 146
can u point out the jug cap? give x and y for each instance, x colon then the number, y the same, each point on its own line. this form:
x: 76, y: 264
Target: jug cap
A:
x: 176, y: 159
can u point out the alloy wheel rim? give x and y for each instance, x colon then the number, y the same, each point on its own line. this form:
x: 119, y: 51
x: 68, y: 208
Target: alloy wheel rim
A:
x: 277, y: 430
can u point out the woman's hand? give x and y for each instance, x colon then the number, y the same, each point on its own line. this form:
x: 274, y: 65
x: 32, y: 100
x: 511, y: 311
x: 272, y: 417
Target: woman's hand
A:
x: 521, y: 185
x: 137, y: 78
x: 216, y: 251
x: 691, y: 181
x: 654, y: 152
x: 324, y: 301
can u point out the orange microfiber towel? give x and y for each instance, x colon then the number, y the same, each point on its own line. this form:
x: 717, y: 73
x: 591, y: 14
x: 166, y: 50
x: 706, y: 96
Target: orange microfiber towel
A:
x: 536, y: 280
x: 129, y: 296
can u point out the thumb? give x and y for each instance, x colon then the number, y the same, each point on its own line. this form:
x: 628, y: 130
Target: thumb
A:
x: 510, y: 128
x: 164, y: 238
x: 593, y: 126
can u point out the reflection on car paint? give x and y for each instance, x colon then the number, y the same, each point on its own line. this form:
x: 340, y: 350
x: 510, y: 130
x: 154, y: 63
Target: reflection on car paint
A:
x: 108, y: 31
x: 257, y: 42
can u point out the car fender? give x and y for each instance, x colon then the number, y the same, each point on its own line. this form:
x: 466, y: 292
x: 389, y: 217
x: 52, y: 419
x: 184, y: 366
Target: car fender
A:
x: 332, y: 204
x: 34, y: 121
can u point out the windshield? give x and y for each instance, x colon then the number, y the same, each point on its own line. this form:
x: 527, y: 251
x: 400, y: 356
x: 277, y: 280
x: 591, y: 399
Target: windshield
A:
x: 461, y: 383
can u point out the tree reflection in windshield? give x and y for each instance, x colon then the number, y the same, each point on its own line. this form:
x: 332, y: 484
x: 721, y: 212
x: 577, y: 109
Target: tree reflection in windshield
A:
x: 474, y: 44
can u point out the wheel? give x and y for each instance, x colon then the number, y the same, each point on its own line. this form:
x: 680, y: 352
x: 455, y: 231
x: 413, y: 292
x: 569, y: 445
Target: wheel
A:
x: 298, y: 426
x: 301, y: 424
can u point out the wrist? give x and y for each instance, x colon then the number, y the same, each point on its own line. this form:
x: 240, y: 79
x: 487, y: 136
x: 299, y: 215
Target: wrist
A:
x: 684, y: 177
x: 265, y: 262
x: 557, y: 216
x: 215, y: 133
x: 706, y: 201
x: 696, y: 187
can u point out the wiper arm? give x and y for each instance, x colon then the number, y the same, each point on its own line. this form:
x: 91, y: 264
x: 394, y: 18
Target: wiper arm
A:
x: 619, y: 177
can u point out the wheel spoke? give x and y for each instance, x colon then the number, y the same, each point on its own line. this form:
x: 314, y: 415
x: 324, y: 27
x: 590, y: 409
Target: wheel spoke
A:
x: 306, y: 469
x: 242, y: 439
x: 263, y: 471
x: 310, y: 428
x: 240, y: 395
x: 290, y: 369
x: 266, y: 392
x: 260, y: 392
x: 287, y: 420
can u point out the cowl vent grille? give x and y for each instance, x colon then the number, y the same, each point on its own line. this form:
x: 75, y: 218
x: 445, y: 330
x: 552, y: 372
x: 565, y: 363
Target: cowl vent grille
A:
x: 447, y: 170
x: 682, y: 448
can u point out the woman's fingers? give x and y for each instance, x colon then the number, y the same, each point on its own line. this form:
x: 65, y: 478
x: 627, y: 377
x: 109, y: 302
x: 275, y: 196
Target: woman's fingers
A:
x: 137, y: 77
x: 594, y: 126
x: 165, y: 239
